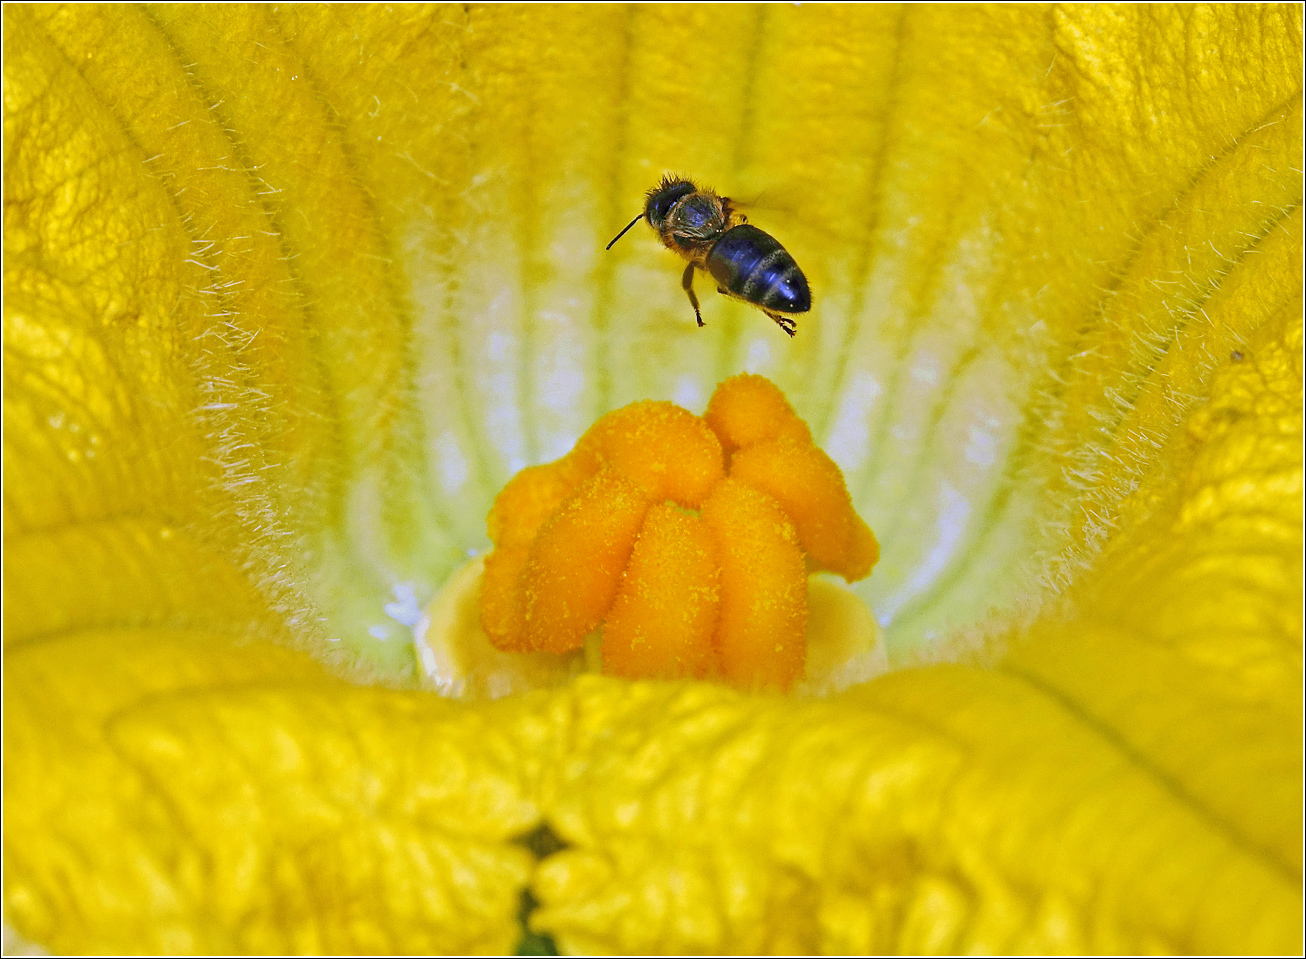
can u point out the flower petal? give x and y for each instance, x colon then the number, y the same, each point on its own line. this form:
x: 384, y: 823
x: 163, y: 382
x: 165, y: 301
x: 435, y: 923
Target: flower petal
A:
x: 286, y: 288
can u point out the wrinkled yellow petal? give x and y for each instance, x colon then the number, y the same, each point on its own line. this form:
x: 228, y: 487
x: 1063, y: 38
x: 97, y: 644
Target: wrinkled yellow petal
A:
x: 304, y: 830
x: 961, y: 809
x: 290, y: 293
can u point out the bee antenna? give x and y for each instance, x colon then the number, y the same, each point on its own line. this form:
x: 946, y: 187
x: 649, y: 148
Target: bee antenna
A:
x: 623, y: 232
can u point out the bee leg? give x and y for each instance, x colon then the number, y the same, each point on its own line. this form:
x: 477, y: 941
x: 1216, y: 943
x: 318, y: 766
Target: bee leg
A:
x: 687, y: 281
x: 786, y: 324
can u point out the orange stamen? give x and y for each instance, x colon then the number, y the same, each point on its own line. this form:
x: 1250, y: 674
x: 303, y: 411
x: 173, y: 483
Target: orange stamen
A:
x: 607, y: 537
x: 577, y: 559
x: 533, y: 495
x: 748, y: 409
x: 667, y: 450
x: 665, y: 615
x: 760, y: 635
x: 503, y: 607
x: 809, y: 487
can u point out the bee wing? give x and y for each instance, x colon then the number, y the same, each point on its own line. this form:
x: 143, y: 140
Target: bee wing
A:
x: 769, y: 199
x: 794, y: 205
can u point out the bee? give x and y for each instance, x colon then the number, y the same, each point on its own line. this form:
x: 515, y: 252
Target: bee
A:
x: 747, y: 263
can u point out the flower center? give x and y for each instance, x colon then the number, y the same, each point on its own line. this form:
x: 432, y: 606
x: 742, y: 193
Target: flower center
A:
x: 684, y: 542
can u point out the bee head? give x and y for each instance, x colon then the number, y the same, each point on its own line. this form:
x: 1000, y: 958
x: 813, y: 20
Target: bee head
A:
x: 663, y: 197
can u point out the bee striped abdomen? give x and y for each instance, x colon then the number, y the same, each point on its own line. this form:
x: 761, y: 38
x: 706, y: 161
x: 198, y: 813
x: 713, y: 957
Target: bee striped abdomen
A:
x: 751, y: 264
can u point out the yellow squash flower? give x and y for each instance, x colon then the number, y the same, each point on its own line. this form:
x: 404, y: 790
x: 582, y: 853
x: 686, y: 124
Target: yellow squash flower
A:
x: 291, y: 293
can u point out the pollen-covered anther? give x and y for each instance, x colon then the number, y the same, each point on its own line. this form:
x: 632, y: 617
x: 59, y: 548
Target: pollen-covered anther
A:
x: 686, y: 540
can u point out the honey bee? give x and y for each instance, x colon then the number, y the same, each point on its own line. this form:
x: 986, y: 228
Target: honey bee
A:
x: 747, y: 263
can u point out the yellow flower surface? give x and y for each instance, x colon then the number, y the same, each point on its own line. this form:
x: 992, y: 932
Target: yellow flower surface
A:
x: 291, y: 293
